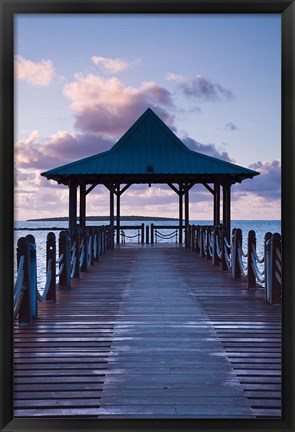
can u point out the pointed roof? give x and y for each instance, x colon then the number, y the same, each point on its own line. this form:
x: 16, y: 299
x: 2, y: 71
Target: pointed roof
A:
x: 149, y: 149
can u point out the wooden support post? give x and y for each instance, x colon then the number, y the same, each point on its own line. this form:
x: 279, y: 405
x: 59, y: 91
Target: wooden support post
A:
x: 216, y: 204
x: 251, y: 278
x: 152, y: 233
x: 276, y: 289
x: 111, y: 237
x: 82, y: 213
x: 186, y: 214
x: 180, y: 195
x: 142, y: 233
x: 25, y: 311
x: 51, y: 256
x: 72, y: 205
x: 64, y: 249
x: 147, y: 236
x: 226, y: 210
x: 118, y: 214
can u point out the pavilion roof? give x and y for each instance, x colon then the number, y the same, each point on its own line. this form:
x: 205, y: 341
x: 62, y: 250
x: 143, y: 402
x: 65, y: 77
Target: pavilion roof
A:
x: 149, y: 151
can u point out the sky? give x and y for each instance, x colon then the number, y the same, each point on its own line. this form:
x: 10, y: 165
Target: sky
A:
x: 82, y: 80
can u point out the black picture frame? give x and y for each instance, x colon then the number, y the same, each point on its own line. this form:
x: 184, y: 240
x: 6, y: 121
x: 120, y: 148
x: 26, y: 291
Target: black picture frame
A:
x: 10, y: 7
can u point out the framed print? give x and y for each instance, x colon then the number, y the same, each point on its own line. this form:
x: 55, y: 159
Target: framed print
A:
x: 147, y: 215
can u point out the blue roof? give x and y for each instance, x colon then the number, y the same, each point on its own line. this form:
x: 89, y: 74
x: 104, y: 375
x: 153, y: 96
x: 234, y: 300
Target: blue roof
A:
x: 149, y: 147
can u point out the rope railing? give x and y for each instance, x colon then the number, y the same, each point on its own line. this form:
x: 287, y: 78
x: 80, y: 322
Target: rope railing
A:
x: 259, y: 271
x: 66, y: 266
x: 124, y: 236
x: 43, y: 297
x: 164, y: 236
x: 256, y: 257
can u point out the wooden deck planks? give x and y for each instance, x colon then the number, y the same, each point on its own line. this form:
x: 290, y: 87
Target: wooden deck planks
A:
x: 151, y: 331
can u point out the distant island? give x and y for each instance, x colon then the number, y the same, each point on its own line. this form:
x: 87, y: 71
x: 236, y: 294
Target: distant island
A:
x: 105, y: 218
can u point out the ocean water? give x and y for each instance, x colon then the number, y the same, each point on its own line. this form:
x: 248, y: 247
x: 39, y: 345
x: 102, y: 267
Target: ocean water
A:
x: 30, y: 227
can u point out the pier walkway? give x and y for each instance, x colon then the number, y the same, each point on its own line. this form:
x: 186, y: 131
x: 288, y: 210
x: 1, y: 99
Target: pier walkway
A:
x: 152, y: 331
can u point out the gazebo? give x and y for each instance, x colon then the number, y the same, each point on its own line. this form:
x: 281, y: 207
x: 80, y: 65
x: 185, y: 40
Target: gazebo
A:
x: 150, y: 153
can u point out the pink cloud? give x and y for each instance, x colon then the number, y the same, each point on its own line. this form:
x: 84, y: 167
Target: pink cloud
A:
x: 267, y: 185
x: 36, y: 74
x: 109, y: 107
x: 60, y: 149
x: 200, y: 88
x: 111, y: 65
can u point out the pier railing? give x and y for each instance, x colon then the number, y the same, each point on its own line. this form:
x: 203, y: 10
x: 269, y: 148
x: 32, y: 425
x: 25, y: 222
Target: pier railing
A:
x: 76, y: 253
x: 259, y: 271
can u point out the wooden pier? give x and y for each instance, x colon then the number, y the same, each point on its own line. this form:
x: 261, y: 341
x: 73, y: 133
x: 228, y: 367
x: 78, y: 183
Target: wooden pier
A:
x: 151, y: 331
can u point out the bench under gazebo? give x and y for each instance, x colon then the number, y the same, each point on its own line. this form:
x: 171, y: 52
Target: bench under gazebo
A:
x: 150, y: 153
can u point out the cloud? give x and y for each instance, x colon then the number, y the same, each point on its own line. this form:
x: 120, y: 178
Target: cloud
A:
x: 109, y: 107
x: 61, y: 148
x: 207, y: 149
x: 267, y: 185
x: 200, y: 88
x: 111, y: 65
x: 231, y: 126
x: 36, y: 74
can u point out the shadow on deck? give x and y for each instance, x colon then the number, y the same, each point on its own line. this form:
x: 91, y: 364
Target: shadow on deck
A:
x: 152, y: 331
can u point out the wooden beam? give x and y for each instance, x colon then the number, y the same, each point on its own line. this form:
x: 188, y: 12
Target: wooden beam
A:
x: 82, y: 213
x: 91, y: 188
x: 208, y: 187
x: 124, y: 189
x: 173, y: 188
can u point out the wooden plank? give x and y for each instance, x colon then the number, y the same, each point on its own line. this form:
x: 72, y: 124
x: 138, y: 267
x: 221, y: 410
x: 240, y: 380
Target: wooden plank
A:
x: 151, y: 331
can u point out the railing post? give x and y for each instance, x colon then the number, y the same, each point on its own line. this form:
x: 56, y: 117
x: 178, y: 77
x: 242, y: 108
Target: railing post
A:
x: 215, y: 258
x: 251, y: 278
x: 51, y: 255
x: 267, y: 266
x: 275, y: 284
x: 83, y: 240
x: 197, y: 240
x: 33, y: 274
x: 223, y: 245
x: 64, y: 249
x: 142, y: 233
x: 208, y: 257
x: 92, y: 246
x: 25, y: 310
x: 201, y: 242
x: 147, y: 235
x: 76, y: 242
x: 193, y: 238
x: 267, y: 259
x: 152, y: 233
x: 237, y: 238
x: 188, y: 236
